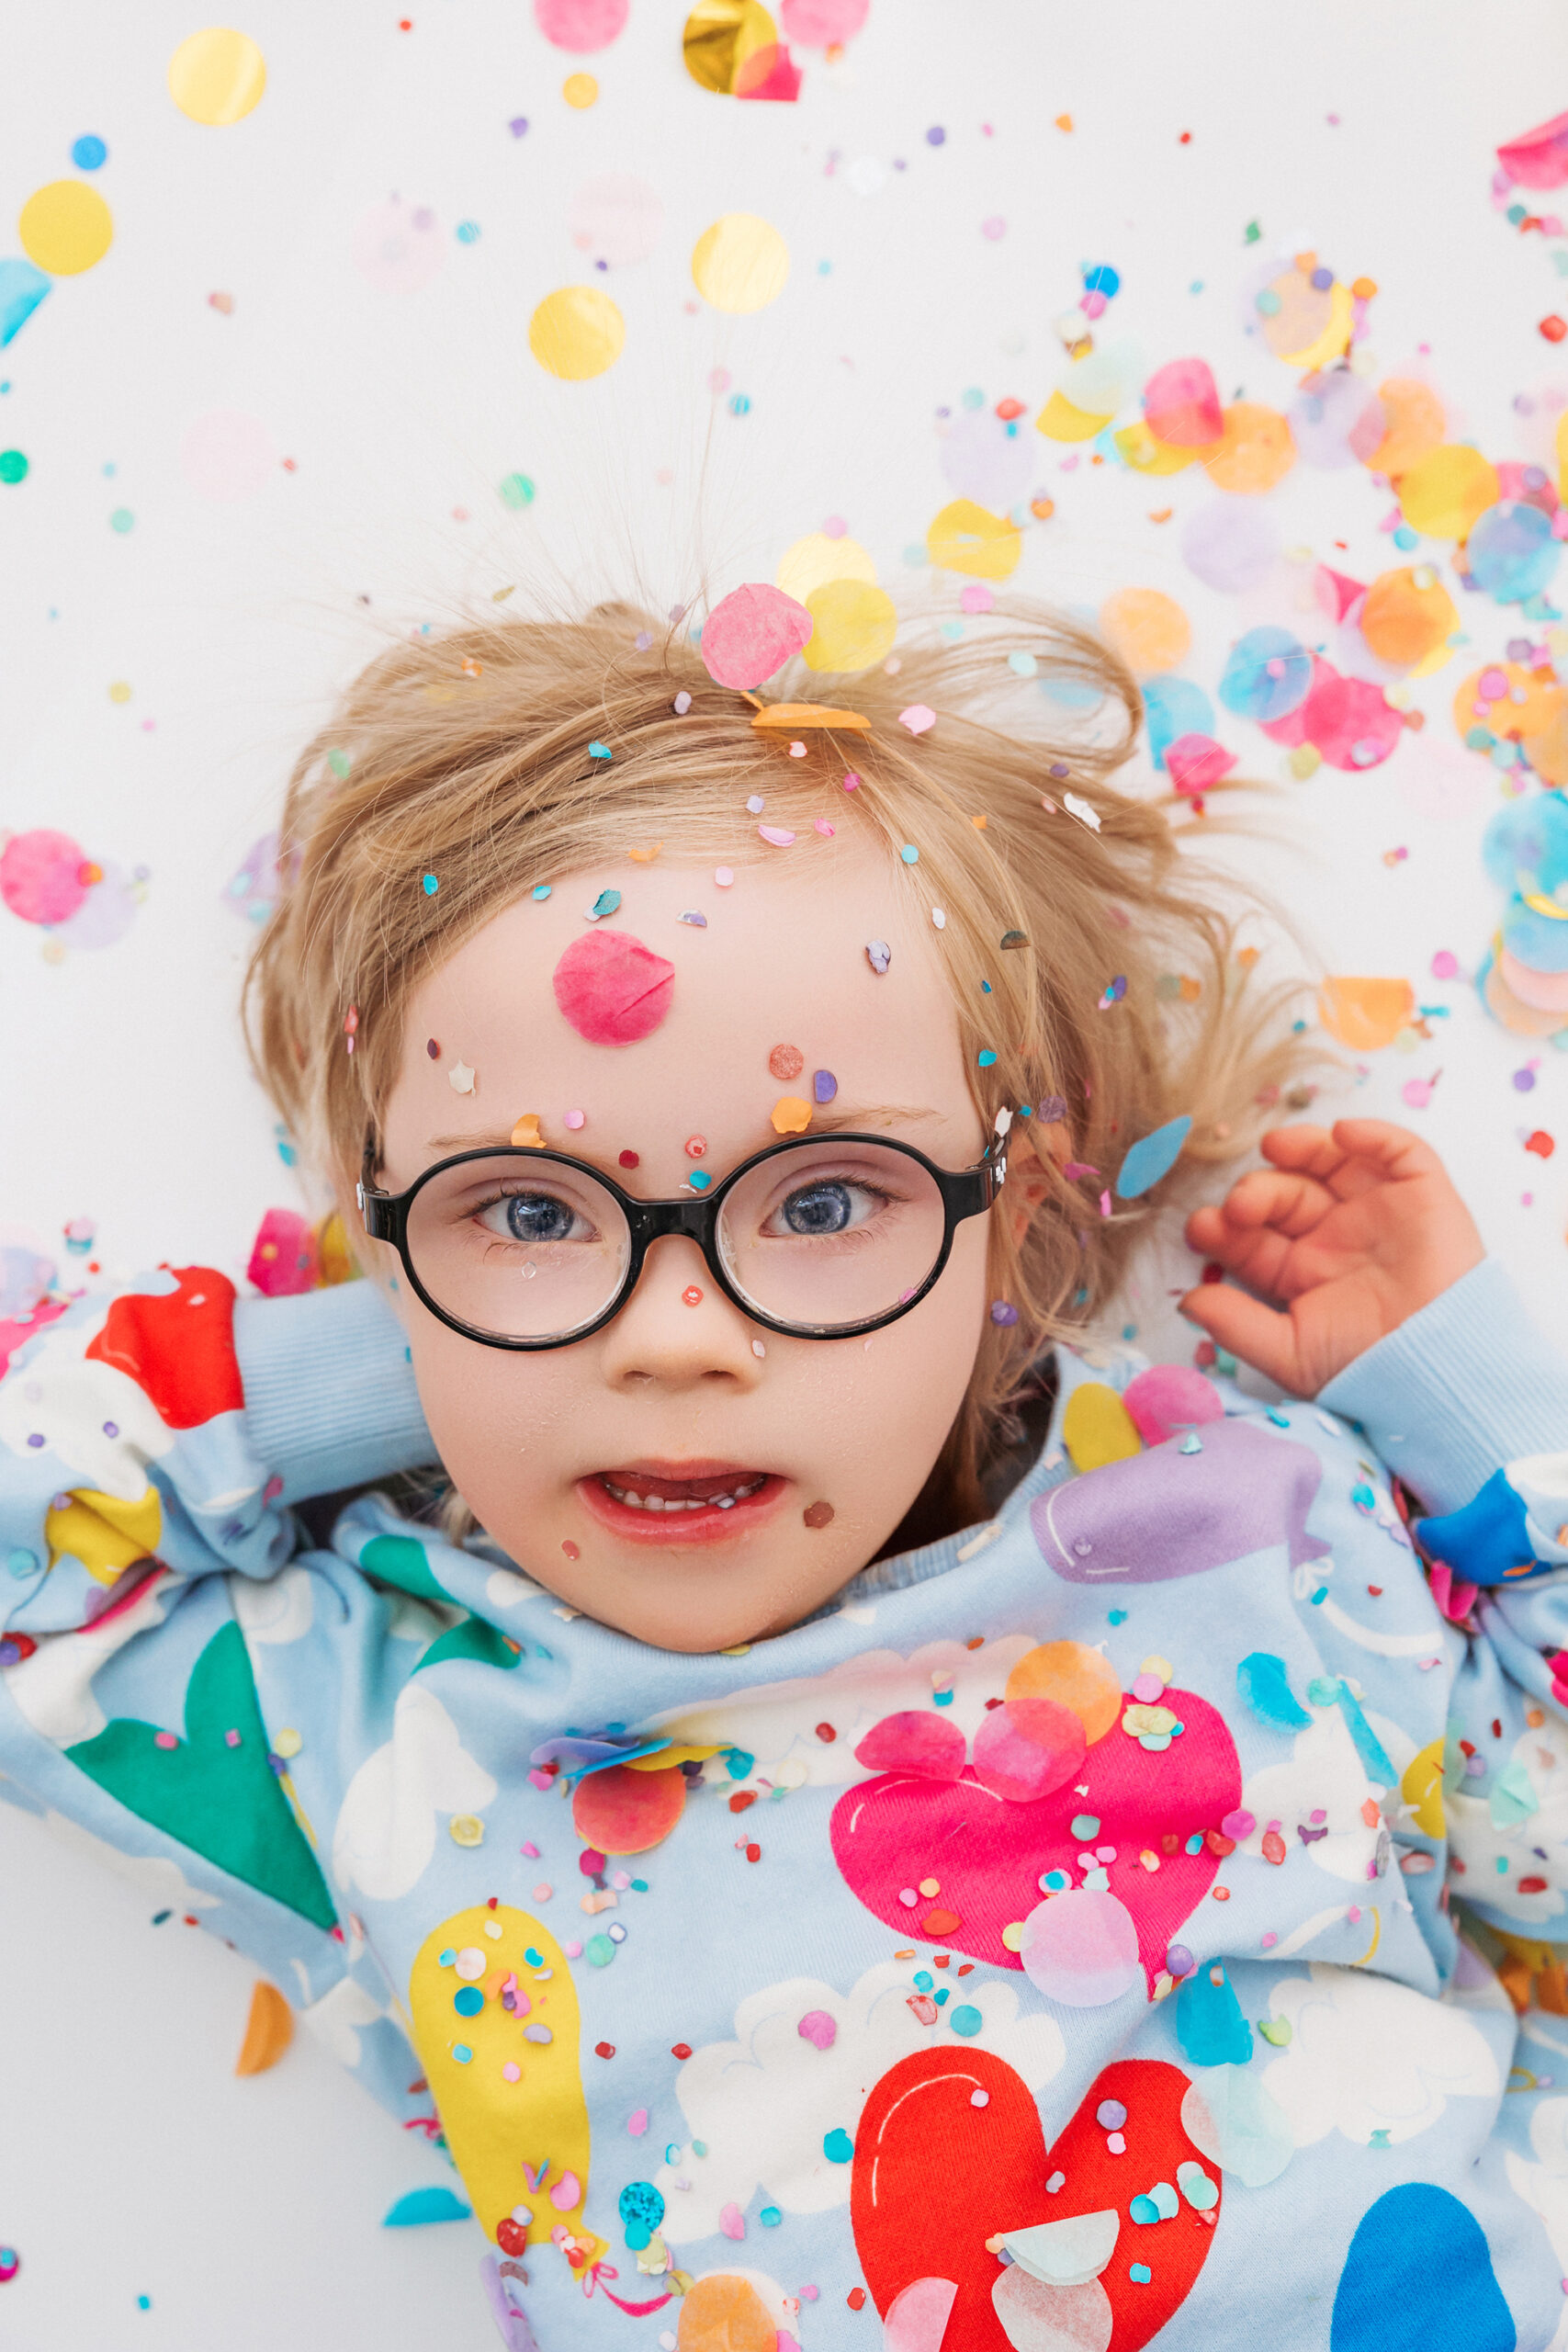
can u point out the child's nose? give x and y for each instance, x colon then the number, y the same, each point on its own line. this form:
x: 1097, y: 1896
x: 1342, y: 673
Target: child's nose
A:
x: 678, y: 1327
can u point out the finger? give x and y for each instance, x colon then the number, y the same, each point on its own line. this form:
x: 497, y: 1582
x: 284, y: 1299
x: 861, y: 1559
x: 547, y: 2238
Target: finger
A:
x: 1244, y: 1327
x: 1262, y: 1259
x: 1395, y: 1152
x: 1333, y: 1159
x: 1303, y: 1146
x: 1292, y: 1204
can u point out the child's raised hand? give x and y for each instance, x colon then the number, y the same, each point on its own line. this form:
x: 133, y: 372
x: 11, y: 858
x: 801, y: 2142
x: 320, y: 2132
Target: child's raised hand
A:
x: 1352, y: 1229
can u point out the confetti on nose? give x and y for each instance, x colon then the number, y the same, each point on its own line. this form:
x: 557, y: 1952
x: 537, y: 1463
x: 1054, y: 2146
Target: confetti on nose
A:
x: 612, y: 988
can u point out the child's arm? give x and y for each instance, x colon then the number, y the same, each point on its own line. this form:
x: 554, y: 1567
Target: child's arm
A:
x: 330, y: 1395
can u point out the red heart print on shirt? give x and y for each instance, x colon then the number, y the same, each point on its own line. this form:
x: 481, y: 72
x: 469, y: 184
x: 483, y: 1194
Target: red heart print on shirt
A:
x: 935, y: 2176
x: 987, y: 1854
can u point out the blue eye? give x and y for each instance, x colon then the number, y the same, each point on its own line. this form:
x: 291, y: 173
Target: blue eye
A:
x: 819, y: 1208
x: 536, y: 1216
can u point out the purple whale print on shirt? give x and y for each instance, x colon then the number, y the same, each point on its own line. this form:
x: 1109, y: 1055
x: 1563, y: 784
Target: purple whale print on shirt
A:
x: 1165, y: 1513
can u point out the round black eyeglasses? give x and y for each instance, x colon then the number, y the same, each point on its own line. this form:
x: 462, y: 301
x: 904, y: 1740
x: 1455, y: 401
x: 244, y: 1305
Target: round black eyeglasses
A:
x: 821, y: 1236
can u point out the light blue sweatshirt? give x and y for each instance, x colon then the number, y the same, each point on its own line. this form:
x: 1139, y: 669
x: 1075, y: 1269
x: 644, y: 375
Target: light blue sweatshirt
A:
x: 1051, y: 1945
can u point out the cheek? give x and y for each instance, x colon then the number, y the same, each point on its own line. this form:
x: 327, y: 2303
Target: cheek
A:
x: 491, y: 1412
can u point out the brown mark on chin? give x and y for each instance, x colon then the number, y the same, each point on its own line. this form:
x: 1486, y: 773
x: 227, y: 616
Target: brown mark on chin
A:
x: 818, y: 1514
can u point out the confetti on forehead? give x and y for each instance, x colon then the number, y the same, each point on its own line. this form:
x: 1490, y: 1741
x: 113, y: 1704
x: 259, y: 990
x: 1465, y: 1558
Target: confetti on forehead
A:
x: 612, y: 988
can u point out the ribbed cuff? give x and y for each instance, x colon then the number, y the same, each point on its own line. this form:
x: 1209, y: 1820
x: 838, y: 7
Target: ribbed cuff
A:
x: 330, y: 1395
x: 1464, y: 1387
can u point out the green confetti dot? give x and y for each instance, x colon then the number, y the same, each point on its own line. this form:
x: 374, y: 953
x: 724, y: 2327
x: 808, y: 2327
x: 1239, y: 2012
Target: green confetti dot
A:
x: 13, y: 466
x: 517, y: 492
x: 122, y: 520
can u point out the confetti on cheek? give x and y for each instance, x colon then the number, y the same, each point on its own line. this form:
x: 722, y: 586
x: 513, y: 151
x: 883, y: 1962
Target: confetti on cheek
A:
x: 569, y: 1548
x: 462, y: 1080
x: 612, y: 988
x: 818, y: 1514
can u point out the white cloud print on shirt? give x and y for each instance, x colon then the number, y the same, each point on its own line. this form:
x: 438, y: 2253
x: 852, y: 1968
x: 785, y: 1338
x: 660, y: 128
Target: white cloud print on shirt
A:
x: 1372, y: 2060
x: 762, y: 2104
x: 386, y: 1826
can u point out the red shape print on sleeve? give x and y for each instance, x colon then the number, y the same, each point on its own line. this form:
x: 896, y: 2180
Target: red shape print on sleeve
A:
x: 179, y: 1348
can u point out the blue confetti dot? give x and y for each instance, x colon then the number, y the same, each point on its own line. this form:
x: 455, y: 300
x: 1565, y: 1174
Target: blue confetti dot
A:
x: 699, y: 1180
x: 469, y: 2001
x: 463, y: 2054
x: 467, y: 233
x: 1139, y: 2273
x: 770, y: 2217
x: 431, y: 886
x: 838, y: 2147
x: 88, y: 153
x: 966, y: 2020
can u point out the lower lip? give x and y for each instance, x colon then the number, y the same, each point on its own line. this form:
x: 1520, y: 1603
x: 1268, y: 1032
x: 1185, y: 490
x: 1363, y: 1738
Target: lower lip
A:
x: 675, y: 1529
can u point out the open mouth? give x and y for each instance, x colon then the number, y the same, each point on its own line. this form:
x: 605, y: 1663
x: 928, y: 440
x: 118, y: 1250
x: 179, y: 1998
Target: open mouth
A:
x: 686, y: 1502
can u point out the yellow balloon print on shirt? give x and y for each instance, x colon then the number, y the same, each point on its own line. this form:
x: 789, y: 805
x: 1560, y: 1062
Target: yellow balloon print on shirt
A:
x: 508, y: 2097
x: 103, y: 1532
x: 1422, y: 1789
x: 1096, y: 1428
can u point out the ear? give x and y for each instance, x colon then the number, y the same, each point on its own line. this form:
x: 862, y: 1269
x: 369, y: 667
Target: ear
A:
x: 1027, y: 1183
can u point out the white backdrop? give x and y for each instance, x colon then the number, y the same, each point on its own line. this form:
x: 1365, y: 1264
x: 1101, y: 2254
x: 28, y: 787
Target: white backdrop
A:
x: 385, y: 419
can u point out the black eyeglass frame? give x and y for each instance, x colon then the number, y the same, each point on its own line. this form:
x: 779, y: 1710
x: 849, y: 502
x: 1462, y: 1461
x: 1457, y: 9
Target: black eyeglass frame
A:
x: 966, y: 1193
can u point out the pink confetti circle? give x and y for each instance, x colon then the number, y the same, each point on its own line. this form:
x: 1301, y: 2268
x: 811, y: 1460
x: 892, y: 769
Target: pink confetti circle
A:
x: 580, y: 25
x: 818, y: 24
x: 612, y: 988
x: 1081, y: 1947
x: 40, y: 876
x: 227, y: 456
x: 752, y: 633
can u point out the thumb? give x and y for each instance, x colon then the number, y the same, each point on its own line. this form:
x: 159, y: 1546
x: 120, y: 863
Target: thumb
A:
x: 1244, y: 1326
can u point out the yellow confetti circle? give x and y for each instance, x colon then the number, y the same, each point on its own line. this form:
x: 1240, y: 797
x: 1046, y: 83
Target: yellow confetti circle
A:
x: 286, y: 1743
x: 720, y: 37
x: 811, y: 562
x: 217, y: 75
x: 967, y: 537
x: 856, y: 624
x: 466, y: 1829
x: 1443, y: 492
x: 576, y: 331
x: 65, y: 228
x: 119, y: 691
x: 741, y: 264
x: 579, y: 90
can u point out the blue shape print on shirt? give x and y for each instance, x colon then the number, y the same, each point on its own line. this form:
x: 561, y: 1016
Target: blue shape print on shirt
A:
x: 1418, y: 2278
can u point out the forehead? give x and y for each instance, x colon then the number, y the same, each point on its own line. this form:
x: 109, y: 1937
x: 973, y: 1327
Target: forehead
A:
x: 779, y: 960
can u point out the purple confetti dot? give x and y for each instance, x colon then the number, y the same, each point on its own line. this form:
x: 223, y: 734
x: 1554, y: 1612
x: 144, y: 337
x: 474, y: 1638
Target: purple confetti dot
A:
x: 1322, y: 279
x: 518, y: 125
x: 36, y: 1438
x: 936, y: 135
x: 111, y: 1429
x: 1178, y: 1961
x: 1003, y: 1312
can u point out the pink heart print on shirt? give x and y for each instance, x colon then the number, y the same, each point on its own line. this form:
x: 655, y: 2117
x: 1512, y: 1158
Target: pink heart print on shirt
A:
x: 1076, y: 1845
x: 951, y: 2160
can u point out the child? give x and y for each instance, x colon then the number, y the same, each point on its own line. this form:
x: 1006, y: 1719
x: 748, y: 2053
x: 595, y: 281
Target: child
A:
x: 852, y: 1804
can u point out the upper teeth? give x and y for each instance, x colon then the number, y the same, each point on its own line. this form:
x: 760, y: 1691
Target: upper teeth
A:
x: 726, y: 1501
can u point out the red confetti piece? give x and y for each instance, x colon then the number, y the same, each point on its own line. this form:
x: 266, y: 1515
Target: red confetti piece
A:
x: 856, y: 2299
x: 603, y: 2050
x: 679, y: 2050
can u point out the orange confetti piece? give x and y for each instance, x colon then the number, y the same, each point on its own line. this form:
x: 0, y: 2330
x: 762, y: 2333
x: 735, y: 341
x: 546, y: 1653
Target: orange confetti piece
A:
x: 788, y: 716
x: 1365, y: 1014
x: 791, y: 1115
x: 268, y: 2030
x: 525, y: 1134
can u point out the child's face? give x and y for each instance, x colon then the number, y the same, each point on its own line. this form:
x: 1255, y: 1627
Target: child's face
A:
x: 672, y: 1390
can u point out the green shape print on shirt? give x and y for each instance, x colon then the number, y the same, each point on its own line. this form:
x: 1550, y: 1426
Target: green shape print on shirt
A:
x: 222, y: 1802
x: 398, y: 1560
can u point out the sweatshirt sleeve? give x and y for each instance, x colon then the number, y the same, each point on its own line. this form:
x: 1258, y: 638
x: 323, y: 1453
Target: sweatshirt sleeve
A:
x: 1463, y: 1388
x: 147, y: 1560
x: 328, y: 1389
x: 1469, y: 1404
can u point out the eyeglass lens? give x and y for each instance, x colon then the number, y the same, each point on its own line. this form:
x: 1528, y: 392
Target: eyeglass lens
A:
x: 825, y: 1236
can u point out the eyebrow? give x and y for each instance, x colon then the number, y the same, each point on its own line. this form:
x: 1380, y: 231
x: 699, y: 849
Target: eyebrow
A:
x: 827, y: 1119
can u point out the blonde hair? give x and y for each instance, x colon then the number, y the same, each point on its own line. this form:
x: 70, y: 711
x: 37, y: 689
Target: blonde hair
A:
x: 466, y: 755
